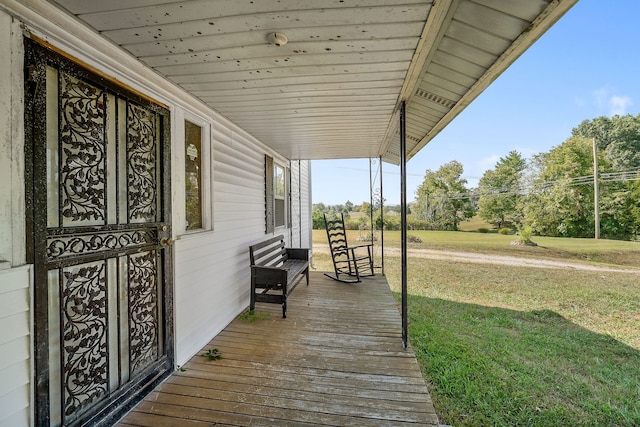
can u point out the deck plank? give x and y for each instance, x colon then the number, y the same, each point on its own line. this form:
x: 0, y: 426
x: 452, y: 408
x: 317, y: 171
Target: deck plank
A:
x: 337, y: 359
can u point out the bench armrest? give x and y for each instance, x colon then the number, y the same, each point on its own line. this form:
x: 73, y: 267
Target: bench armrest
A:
x: 298, y: 253
x: 263, y: 275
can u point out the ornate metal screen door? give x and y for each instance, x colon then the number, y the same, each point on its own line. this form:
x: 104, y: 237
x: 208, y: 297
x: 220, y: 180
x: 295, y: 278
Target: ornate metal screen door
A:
x: 100, y: 224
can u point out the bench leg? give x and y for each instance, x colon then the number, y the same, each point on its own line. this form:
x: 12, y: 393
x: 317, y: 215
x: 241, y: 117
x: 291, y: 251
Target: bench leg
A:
x: 307, y: 273
x: 284, y: 309
x: 252, y: 304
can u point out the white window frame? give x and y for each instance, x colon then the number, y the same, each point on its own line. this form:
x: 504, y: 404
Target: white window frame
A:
x: 283, y: 197
x: 179, y: 189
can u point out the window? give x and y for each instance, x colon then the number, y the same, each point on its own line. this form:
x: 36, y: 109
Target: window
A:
x: 279, y: 195
x: 193, y: 176
x: 275, y: 195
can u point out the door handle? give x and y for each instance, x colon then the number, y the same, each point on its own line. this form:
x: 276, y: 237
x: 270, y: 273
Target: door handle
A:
x: 166, y: 242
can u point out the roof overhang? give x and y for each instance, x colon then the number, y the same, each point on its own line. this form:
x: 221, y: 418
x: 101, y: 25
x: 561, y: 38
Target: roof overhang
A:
x: 334, y: 89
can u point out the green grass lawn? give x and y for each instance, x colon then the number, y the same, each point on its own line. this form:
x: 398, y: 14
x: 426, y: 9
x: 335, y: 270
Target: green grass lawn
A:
x: 510, y: 346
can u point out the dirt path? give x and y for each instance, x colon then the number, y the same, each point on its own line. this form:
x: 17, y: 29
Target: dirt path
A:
x: 472, y: 257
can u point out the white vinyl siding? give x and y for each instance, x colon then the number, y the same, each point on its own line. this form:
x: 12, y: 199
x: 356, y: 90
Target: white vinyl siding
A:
x: 305, y: 198
x: 295, y: 204
x: 212, y: 270
x: 15, y: 346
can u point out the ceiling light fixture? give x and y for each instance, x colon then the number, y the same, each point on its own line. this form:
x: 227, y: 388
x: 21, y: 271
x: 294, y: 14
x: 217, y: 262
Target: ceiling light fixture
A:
x: 278, y: 39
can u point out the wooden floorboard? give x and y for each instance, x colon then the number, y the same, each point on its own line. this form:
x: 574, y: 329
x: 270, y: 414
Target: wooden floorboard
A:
x: 337, y: 360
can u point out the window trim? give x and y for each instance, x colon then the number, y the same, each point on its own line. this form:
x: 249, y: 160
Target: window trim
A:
x: 270, y: 195
x: 277, y: 196
x: 206, y: 176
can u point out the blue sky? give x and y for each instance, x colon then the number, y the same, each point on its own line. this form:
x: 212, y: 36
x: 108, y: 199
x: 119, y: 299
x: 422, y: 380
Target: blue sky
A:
x: 587, y: 65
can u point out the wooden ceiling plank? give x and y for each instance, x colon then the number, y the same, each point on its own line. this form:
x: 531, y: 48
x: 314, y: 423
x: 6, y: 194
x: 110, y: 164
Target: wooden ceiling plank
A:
x: 266, y: 64
x: 274, y: 101
x: 293, y: 49
x: 197, y: 84
x: 133, y: 13
x: 291, y: 114
x: 311, y: 19
x: 353, y: 33
x: 348, y: 89
x: 300, y: 75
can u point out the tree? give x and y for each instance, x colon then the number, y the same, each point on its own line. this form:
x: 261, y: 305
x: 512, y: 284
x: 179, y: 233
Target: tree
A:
x: 348, y: 206
x: 498, y: 189
x: 319, y: 207
x: 442, y: 198
x: 317, y: 219
x: 561, y: 203
x: 365, y: 207
x: 618, y: 138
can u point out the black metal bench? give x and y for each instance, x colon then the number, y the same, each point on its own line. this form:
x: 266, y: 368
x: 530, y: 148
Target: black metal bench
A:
x: 276, y: 271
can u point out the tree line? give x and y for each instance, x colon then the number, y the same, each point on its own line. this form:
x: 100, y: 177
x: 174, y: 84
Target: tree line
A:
x: 358, y: 217
x: 553, y: 192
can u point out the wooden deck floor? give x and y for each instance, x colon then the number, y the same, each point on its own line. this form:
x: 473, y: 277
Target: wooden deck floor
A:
x: 337, y: 359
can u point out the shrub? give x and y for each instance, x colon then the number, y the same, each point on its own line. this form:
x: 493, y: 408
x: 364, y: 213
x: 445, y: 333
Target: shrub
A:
x: 505, y: 231
x: 483, y: 230
x: 524, y: 237
x: 417, y: 224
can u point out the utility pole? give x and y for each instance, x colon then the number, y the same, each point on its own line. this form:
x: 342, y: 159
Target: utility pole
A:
x: 596, y: 191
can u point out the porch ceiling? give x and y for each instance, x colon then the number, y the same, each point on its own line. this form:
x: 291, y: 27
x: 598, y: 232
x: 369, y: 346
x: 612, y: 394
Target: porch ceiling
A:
x: 333, y: 90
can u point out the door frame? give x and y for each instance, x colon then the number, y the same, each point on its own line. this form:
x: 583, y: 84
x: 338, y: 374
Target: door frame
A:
x: 125, y: 397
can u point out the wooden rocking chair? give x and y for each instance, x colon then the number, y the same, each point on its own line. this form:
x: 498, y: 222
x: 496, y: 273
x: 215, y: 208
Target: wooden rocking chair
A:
x: 352, y: 261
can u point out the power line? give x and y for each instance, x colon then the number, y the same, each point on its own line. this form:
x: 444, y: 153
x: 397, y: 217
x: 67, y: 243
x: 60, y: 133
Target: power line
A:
x: 620, y: 176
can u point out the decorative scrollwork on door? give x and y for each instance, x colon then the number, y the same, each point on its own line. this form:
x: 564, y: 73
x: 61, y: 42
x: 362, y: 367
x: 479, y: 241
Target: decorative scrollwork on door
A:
x: 84, y: 331
x: 143, y: 306
x: 87, y: 244
x: 82, y: 126
x: 141, y: 146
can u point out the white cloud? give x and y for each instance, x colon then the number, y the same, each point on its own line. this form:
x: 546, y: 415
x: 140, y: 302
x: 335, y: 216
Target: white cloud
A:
x: 605, y: 100
x: 618, y: 105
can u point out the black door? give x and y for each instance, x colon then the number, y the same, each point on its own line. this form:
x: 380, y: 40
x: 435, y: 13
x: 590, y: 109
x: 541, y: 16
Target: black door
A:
x: 99, y: 228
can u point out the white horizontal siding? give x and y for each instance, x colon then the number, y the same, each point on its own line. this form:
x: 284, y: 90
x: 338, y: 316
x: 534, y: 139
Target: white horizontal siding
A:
x: 212, y: 278
x: 305, y: 185
x: 15, y: 347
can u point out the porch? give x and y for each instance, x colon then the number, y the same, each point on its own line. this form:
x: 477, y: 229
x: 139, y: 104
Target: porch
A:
x: 337, y: 359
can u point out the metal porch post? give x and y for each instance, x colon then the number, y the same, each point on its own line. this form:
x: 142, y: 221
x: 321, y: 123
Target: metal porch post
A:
x: 371, y: 201
x: 382, y: 220
x: 403, y: 219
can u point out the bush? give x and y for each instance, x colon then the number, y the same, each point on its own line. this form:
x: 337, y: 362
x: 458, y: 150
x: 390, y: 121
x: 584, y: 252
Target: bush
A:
x: 505, y: 231
x: 524, y: 237
x: 417, y: 224
x: 483, y: 230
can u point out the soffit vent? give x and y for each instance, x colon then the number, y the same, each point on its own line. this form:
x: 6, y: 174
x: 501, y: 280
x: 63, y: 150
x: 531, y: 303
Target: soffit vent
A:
x: 435, y: 98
